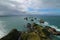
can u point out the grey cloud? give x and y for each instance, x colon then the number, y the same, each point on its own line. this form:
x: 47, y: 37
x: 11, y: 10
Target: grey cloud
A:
x: 47, y: 4
x: 8, y: 7
x: 51, y: 3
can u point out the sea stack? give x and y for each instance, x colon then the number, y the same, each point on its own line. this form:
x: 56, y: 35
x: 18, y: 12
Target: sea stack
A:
x: 41, y: 21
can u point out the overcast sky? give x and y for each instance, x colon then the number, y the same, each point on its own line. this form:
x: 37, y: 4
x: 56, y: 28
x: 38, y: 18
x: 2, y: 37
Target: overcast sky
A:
x: 18, y: 7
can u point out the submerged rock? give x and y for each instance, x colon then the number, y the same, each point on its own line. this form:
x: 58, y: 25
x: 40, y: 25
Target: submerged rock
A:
x: 32, y: 19
x: 35, y: 18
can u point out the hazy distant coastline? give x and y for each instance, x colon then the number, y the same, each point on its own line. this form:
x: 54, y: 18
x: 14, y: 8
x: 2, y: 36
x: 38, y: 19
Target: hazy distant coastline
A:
x: 26, y: 15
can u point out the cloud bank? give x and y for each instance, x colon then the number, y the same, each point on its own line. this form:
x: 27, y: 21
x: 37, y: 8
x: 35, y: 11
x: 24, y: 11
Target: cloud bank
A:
x: 18, y: 7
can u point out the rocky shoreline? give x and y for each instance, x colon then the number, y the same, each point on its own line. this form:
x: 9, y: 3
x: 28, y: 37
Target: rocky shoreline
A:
x: 38, y: 33
x: 35, y: 32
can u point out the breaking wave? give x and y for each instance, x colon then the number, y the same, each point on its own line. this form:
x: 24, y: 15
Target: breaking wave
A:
x: 2, y: 30
x: 53, y: 26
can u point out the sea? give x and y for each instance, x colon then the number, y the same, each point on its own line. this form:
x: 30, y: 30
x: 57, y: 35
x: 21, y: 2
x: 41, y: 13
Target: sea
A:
x: 7, y: 23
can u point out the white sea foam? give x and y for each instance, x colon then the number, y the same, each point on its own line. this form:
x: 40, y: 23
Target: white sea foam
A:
x: 53, y: 26
x: 2, y: 30
x: 2, y: 34
x: 46, y: 24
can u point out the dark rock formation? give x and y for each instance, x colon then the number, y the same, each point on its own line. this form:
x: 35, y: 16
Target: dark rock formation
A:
x: 26, y: 18
x: 53, y: 31
x: 41, y: 21
x: 29, y: 25
x: 32, y: 19
x: 13, y: 35
x: 35, y: 18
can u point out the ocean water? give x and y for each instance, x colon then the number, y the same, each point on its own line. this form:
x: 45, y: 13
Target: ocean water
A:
x: 18, y: 22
